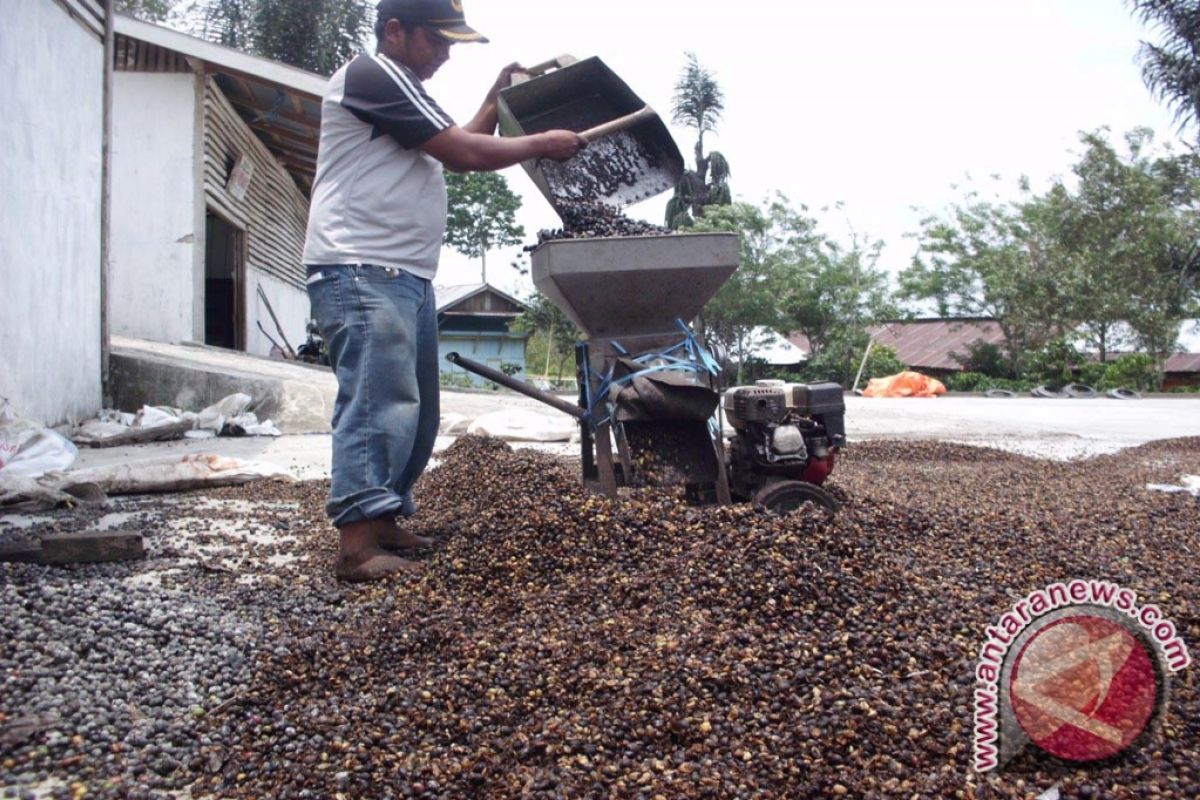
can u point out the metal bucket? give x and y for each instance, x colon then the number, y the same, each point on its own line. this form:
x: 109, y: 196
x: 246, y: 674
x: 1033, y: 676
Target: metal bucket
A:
x: 636, y: 161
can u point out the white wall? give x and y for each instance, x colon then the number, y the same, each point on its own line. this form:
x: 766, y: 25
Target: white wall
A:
x: 50, y: 140
x: 289, y: 304
x: 152, y: 279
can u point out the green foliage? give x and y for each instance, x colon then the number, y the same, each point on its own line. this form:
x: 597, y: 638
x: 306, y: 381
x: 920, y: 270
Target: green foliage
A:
x: 316, y: 35
x: 967, y: 382
x: 882, y: 362
x: 551, y: 346
x: 1172, y: 68
x: 832, y: 292
x: 1131, y: 230
x: 481, y: 214
x: 984, y: 357
x: 1054, y: 363
x: 840, y: 360
x: 749, y: 299
x: 149, y: 10
x: 1093, y: 374
x: 1131, y: 371
x: 986, y: 259
x: 455, y: 380
x: 698, y: 104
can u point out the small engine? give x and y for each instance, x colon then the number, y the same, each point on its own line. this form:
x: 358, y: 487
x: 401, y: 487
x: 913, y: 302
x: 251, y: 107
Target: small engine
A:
x: 783, y: 432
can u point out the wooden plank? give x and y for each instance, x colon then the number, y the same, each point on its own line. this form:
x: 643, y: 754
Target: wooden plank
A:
x: 20, y: 552
x: 92, y: 547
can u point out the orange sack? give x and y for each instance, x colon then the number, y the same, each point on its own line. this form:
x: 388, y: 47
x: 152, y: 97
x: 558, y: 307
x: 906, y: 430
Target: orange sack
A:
x: 904, y: 384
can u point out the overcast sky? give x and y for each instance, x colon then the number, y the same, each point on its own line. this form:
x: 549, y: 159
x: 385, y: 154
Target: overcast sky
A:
x: 877, y: 104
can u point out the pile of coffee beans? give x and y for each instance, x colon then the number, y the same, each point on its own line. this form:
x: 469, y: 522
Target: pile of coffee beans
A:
x: 560, y: 644
x: 589, y: 220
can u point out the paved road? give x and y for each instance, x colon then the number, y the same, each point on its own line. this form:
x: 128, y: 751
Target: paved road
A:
x: 1059, y: 429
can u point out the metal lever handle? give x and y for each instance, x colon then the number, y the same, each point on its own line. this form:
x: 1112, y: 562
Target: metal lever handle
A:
x: 618, y: 124
x: 565, y: 60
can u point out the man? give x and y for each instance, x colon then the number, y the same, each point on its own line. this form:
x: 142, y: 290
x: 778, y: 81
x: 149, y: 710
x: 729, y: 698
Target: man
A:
x: 375, y: 230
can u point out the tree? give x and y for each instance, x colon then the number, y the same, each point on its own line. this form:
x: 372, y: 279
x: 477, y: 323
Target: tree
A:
x: 1131, y: 229
x: 988, y: 259
x: 749, y: 299
x: 831, y: 293
x: 482, y: 215
x: 544, y: 319
x: 698, y: 104
x: 149, y: 10
x: 316, y: 35
x: 1172, y: 69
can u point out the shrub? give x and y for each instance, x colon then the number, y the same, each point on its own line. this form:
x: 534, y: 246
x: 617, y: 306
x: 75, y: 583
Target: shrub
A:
x: 968, y: 382
x: 1093, y: 374
x: 1132, y: 371
x: 984, y: 358
x: 1054, y: 363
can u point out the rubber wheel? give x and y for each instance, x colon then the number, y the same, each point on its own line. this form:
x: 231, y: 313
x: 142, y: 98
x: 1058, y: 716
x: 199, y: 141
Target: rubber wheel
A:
x: 1124, y: 394
x: 786, y: 496
x: 1079, y: 391
x: 1047, y: 392
x: 999, y: 393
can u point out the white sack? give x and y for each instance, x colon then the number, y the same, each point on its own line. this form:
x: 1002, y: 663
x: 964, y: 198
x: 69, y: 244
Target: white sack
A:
x: 30, y: 449
x: 521, y: 425
x: 174, y: 473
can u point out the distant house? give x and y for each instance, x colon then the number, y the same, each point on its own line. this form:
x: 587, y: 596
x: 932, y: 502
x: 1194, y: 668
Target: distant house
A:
x: 930, y: 346
x: 474, y: 320
x: 774, y: 350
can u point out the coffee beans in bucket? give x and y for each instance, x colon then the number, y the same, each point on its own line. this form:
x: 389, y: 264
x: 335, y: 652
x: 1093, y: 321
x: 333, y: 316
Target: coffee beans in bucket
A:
x: 590, y: 220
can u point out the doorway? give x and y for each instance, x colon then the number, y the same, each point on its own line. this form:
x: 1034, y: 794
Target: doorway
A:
x: 224, y: 283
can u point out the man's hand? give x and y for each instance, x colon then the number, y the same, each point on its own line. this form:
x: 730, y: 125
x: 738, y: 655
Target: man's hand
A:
x: 559, y: 145
x: 503, y: 81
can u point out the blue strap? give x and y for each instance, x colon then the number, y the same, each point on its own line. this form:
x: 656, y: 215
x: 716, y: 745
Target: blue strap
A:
x: 687, y: 355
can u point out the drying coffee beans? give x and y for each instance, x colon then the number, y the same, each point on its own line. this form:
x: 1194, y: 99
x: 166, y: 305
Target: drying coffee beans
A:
x: 560, y: 644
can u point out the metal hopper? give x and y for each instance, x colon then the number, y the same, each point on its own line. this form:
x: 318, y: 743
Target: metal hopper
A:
x: 635, y: 285
x: 631, y: 155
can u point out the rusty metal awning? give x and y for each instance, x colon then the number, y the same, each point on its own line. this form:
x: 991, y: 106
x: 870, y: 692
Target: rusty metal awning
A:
x: 281, y: 104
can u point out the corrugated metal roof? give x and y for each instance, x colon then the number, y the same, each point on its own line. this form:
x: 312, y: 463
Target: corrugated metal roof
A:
x: 1183, y: 362
x: 932, y: 343
x: 450, y: 296
x: 280, y: 103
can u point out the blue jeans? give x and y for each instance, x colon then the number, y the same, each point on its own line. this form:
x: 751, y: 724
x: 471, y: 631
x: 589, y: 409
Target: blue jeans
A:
x: 380, y: 328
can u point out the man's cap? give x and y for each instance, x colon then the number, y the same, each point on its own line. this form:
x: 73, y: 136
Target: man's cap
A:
x: 445, y: 17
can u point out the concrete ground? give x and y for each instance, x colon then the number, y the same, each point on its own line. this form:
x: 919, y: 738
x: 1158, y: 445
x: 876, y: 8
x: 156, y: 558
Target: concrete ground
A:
x: 1058, y: 429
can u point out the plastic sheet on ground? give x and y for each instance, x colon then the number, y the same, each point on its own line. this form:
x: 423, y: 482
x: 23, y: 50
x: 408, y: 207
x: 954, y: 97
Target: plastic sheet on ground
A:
x: 228, y: 417
x: 1188, y: 483
x: 29, y: 449
x: 520, y: 425
x: 163, y: 474
x: 904, y: 384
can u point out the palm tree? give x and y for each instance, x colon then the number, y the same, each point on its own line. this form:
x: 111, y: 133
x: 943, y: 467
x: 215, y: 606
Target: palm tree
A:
x: 698, y: 104
x: 1172, y: 69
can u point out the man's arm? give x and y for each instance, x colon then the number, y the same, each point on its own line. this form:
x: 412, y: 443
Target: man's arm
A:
x: 486, y: 117
x: 463, y: 151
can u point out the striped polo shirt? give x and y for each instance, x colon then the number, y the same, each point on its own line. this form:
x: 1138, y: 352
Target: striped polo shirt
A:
x: 377, y: 199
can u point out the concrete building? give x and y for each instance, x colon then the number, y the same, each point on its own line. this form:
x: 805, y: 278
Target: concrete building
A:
x: 52, y: 57
x: 211, y: 157
x: 214, y: 153
x: 474, y: 321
